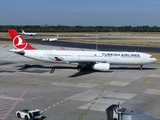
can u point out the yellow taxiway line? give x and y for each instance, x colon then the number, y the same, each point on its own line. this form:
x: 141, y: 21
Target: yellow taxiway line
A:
x: 99, y: 95
x: 152, y: 86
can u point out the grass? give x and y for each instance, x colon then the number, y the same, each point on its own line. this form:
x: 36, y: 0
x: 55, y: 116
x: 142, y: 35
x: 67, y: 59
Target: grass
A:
x: 148, y: 43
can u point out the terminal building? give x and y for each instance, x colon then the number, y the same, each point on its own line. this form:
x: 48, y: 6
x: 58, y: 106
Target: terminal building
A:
x: 115, y: 112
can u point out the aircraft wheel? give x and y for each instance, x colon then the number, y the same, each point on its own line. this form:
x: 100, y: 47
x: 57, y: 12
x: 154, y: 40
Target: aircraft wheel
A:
x: 79, y: 68
x: 26, y: 118
x: 18, y: 115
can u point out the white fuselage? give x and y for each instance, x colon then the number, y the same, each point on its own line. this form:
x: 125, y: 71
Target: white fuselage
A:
x: 50, y: 39
x: 30, y: 34
x: 117, y: 58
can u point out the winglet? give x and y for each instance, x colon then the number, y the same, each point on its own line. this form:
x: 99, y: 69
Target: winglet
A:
x: 62, y: 48
x: 19, y: 42
x: 58, y: 59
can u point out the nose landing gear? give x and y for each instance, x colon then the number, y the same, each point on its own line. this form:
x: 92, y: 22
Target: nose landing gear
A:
x: 141, y: 67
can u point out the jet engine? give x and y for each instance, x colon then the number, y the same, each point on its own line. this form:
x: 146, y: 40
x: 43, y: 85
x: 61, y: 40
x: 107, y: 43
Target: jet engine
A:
x: 101, y: 66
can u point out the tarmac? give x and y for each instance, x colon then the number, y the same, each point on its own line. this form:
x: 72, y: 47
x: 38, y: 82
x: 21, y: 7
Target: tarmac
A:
x: 66, y: 94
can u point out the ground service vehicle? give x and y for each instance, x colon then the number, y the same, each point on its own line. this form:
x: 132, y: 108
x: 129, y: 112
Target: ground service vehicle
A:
x: 29, y: 114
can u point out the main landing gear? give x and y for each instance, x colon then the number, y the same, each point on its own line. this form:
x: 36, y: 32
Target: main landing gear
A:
x: 84, y: 68
x: 80, y: 68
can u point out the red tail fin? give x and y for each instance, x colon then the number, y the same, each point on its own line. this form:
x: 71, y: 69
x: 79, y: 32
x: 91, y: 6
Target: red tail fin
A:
x: 18, y: 41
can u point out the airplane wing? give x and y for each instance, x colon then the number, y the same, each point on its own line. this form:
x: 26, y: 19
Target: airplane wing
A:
x: 58, y: 58
x: 86, y: 61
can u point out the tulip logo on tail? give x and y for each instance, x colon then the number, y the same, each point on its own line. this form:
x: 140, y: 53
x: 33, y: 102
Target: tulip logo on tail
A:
x: 18, y: 43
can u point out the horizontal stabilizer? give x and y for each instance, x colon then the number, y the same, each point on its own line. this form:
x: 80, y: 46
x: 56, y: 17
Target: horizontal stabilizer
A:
x: 21, y: 52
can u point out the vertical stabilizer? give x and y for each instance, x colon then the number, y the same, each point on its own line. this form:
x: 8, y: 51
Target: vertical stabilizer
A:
x: 23, y: 32
x: 19, y: 42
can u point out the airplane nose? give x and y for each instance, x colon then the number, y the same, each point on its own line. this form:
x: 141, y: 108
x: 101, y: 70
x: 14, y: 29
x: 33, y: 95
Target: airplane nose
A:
x: 154, y: 59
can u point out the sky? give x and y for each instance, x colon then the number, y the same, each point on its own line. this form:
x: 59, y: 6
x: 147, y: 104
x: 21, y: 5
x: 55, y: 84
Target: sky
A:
x: 80, y: 12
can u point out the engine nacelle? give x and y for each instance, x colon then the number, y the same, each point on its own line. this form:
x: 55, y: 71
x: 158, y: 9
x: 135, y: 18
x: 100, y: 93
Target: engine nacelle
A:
x: 101, y: 66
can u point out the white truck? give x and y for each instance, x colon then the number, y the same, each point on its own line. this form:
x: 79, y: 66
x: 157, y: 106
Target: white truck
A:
x: 29, y: 114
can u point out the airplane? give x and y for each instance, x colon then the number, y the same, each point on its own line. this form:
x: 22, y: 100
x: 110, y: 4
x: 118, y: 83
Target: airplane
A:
x: 97, y: 60
x: 50, y: 39
x: 30, y: 34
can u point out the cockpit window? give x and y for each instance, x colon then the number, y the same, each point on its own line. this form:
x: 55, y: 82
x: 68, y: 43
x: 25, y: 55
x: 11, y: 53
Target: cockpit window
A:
x: 151, y: 57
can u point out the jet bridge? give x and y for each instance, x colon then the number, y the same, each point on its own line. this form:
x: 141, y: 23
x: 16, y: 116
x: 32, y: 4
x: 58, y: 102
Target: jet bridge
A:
x: 115, y: 112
